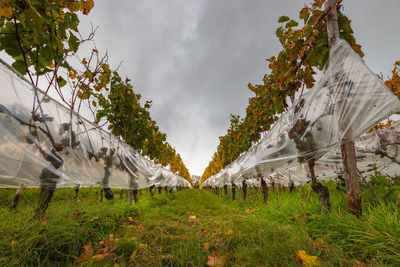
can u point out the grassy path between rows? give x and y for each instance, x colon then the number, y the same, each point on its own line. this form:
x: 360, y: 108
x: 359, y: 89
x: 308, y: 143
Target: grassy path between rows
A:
x: 193, y: 228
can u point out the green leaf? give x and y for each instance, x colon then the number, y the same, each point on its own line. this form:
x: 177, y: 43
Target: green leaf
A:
x: 73, y: 42
x: 304, y: 14
x: 279, y: 32
x: 291, y: 23
x: 283, y: 19
x: 61, y: 82
x: 20, y: 66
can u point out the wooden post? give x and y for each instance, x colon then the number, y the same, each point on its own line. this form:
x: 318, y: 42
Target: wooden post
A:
x: 351, y: 173
x: 233, y: 191
x: 76, y: 189
x: 244, y: 188
x: 17, y: 197
x: 264, y: 187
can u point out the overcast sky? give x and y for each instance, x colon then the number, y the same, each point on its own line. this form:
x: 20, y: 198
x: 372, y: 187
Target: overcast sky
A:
x: 194, y: 58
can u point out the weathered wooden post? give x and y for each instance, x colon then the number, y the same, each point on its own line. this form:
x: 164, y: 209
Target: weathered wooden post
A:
x: 17, y: 197
x: 264, y: 190
x: 76, y: 189
x: 351, y: 173
x: 151, y: 190
x: 244, y: 188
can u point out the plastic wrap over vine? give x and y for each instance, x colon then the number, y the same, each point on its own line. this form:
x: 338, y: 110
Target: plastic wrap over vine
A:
x: 42, y: 142
x: 348, y: 100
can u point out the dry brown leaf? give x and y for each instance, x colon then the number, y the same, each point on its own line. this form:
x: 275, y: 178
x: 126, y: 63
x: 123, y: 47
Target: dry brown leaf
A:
x: 14, y: 244
x: 87, y: 251
x: 142, y: 246
x: 249, y: 210
x: 216, y: 260
x: 100, y: 257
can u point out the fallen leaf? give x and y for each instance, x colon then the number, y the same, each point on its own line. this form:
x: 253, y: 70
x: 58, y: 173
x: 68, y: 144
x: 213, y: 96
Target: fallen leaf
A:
x: 100, y: 257
x: 192, y: 217
x: 78, y: 201
x: 229, y: 232
x: 308, y: 260
x: 14, y: 244
x: 114, y: 249
x: 216, y: 260
x: 94, y: 218
x: 205, y: 231
x: 206, y: 246
x: 111, y: 238
x: 249, y: 210
x: 77, y: 213
x: 133, y: 255
x: 142, y: 246
x: 130, y: 219
x: 43, y: 220
x: 15, y: 261
x: 87, y: 251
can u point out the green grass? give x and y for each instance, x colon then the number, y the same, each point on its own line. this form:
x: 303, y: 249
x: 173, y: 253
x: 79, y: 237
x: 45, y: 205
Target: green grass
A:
x: 162, y: 230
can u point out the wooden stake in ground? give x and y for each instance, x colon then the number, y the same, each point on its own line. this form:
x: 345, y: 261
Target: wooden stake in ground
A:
x: 348, y: 150
x: 17, y: 197
x: 233, y: 191
x: 244, y: 188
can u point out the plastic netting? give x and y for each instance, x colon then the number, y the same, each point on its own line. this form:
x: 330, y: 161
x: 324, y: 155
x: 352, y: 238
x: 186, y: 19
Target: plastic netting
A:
x: 347, y: 101
x: 41, y: 141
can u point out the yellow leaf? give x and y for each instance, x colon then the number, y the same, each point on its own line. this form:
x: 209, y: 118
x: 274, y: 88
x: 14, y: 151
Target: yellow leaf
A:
x: 15, y: 261
x: 130, y: 219
x: 249, y: 211
x: 308, y: 260
x: 206, y: 246
x: 229, y: 232
x: 133, y: 255
x: 94, y: 218
x: 142, y: 246
x: 14, y: 244
x: 5, y: 11
x: 100, y: 257
x: 192, y: 217
x: 87, y: 6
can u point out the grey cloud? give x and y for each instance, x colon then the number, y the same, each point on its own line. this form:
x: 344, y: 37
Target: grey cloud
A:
x: 195, y: 58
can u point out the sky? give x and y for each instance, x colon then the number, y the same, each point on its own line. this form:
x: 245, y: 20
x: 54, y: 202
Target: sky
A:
x: 194, y: 58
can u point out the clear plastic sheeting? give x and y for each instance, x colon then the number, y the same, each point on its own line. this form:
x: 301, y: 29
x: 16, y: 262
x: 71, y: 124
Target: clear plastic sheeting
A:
x: 41, y: 141
x: 348, y: 100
